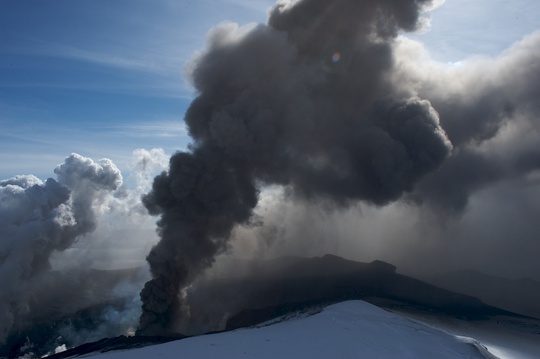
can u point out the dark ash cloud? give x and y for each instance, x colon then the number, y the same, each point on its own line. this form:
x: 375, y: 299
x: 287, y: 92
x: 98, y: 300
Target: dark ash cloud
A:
x: 306, y: 102
x: 489, y: 109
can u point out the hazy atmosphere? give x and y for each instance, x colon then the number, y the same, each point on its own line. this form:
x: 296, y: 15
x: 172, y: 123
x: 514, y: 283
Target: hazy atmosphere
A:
x: 404, y: 131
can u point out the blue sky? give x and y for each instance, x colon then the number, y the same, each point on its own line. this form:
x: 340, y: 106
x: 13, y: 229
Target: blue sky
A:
x: 103, y: 78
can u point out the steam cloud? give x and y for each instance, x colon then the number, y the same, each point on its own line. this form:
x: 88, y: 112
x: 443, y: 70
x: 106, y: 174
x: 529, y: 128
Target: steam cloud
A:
x: 54, y: 233
x: 38, y: 218
x: 306, y: 102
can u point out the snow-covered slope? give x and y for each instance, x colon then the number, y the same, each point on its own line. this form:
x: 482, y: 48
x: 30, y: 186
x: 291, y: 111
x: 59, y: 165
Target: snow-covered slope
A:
x: 352, y: 329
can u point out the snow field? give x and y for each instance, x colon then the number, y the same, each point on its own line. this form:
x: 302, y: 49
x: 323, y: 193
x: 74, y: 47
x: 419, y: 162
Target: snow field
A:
x: 352, y: 329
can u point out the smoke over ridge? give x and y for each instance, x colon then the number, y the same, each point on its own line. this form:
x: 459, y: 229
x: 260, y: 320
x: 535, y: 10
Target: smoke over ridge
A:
x: 304, y: 102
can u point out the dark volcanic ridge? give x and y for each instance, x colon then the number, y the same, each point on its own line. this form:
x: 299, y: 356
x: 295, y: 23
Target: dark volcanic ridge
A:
x: 290, y: 283
x: 277, y: 287
x: 117, y: 343
x: 516, y: 295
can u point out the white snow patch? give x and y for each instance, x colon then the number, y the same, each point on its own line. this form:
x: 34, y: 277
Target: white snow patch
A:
x: 352, y: 329
x: 60, y: 349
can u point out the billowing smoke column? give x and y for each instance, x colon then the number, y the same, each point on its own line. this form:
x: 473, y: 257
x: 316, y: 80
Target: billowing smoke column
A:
x: 489, y: 109
x: 305, y: 102
x: 38, y: 218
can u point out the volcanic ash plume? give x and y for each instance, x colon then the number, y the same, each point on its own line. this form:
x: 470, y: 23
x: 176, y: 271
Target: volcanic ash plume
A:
x: 38, y: 218
x: 305, y: 102
x: 489, y: 108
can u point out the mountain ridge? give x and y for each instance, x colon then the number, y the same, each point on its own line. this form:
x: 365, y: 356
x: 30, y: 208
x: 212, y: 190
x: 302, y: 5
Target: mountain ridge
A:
x: 521, y: 295
x: 268, y: 289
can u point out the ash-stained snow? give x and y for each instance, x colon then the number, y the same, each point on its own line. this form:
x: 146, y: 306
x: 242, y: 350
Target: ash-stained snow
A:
x: 352, y: 329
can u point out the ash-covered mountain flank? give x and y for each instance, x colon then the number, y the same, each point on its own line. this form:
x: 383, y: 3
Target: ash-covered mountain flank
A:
x: 256, y: 291
x: 291, y: 283
x: 264, y: 290
x: 272, y: 288
x: 517, y: 295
